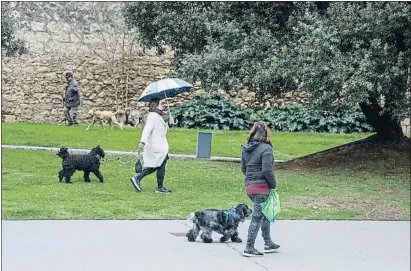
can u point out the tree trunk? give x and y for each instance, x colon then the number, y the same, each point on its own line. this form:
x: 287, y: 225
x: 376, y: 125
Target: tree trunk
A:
x: 388, y: 129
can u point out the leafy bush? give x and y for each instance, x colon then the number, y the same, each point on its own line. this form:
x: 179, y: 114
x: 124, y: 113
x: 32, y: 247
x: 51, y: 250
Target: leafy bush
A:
x: 218, y: 113
x: 301, y: 118
x: 212, y: 113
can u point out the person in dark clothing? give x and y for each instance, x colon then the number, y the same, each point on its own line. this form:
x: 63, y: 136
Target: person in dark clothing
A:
x: 72, y: 98
x: 257, y: 164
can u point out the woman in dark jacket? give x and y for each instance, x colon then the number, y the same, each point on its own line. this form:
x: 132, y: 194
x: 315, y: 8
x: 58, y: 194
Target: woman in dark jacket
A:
x: 257, y: 164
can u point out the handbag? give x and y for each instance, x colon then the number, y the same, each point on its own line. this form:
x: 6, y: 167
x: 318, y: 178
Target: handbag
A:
x: 271, y: 208
x: 139, y: 166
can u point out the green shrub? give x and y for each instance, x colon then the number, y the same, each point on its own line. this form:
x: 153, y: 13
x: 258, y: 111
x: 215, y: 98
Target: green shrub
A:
x: 218, y: 113
x: 212, y: 113
x: 301, y: 118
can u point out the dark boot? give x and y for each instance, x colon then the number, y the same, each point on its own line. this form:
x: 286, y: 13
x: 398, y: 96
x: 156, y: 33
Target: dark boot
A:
x: 75, y: 121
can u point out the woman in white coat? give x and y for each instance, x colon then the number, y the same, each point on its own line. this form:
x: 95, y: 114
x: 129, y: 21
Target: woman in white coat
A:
x: 155, y: 145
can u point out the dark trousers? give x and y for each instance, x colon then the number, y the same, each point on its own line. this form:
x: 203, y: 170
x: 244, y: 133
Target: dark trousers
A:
x: 161, y: 172
x: 71, y: 114
x: 258, y: 220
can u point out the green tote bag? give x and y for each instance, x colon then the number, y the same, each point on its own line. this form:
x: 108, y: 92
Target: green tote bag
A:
x: 271, y: 208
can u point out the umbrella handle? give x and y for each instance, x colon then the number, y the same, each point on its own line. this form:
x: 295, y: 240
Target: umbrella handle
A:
x: 175, y: 120
x: 169, y: 111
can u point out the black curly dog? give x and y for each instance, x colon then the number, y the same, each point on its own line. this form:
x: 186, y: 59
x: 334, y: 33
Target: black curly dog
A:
x: 224, y: 222
x: 86, y: 162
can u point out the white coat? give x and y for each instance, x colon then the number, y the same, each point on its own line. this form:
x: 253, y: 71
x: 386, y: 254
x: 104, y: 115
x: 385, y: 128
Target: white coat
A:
x: 155, y: 140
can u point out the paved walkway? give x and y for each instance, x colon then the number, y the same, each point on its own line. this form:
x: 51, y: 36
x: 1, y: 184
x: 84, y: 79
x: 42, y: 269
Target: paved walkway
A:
x: 109, y: 152
x: 60, y: 245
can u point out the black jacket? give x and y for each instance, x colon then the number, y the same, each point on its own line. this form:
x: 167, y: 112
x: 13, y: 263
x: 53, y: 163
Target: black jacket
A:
x: 257, y: 164
x: 73, y: 94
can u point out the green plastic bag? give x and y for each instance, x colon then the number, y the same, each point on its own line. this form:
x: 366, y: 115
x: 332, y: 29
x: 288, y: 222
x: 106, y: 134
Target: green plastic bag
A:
x: 271, y: 208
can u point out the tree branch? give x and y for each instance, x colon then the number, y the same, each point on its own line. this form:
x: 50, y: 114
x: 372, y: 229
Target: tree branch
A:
x: 88, y: 45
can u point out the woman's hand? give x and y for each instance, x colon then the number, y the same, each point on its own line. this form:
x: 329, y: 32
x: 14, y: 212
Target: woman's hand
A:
x: 140, y: 146
x: 171, y: 121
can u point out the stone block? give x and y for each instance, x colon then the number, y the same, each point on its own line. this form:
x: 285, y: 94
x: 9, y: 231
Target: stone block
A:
x: 9, y: 118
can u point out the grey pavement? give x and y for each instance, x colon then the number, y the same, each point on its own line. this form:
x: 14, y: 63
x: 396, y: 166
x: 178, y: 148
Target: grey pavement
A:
x: 160, y: 245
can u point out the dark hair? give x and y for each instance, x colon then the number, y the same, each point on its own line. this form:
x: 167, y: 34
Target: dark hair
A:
x: 260, y: 132
x: 68, y: 74
x: 153, y: 104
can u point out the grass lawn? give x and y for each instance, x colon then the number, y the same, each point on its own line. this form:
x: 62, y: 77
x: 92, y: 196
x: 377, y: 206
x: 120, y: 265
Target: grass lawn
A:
x: 30, y: 189
x: 182, y: 141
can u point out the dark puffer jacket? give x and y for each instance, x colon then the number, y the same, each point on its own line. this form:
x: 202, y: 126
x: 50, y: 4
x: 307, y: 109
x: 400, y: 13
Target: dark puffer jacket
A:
x: 73, y: 94
x: 257, y: 164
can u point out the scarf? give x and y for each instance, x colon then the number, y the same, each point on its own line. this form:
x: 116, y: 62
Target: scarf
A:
x: 161, y: 113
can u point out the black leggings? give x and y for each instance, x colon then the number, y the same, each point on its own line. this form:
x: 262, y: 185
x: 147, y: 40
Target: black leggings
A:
x: 161, y: 172
x: 258, y: 220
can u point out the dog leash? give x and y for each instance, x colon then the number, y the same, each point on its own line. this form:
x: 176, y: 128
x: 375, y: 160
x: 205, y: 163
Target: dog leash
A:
x: 120, y: 159
x: 135, y: 157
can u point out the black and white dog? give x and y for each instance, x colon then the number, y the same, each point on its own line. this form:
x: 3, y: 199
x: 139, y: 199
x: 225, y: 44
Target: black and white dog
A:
x: 87, y: 162
x: 224, y: 222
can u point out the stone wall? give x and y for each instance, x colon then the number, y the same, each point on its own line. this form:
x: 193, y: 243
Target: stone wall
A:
x: 32, y: 86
